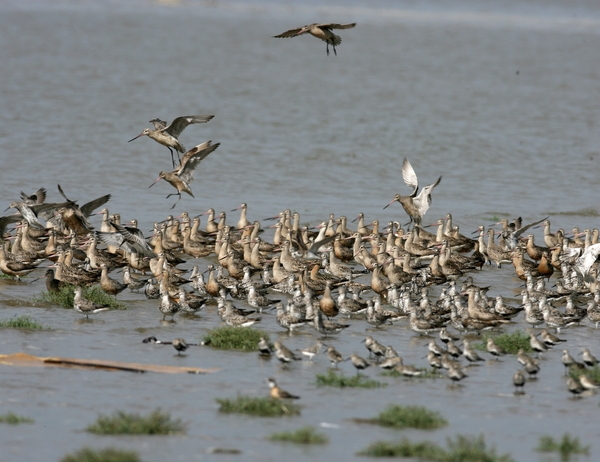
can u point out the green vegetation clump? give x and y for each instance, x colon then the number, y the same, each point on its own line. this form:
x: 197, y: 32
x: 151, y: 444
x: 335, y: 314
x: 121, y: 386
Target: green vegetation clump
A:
x: 463, y: 449
x: 121, y: 423
x: 592, y: 373
x: 566, y: 447
x: 472, y: 449
x: 331, y: 379
x: 511, y: 343
x: 64, y: 297
x: 305, y: 435
x: 14, y: 419
x: 430, y: 373
x: 22, y: 322
x: 234, y: 338
x: 404, y: 448
x: 261, y: 407
x: 398, y: 416
x: 102, y: 455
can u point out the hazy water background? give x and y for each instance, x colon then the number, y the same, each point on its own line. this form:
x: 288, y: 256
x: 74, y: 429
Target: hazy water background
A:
x: 500, y: 99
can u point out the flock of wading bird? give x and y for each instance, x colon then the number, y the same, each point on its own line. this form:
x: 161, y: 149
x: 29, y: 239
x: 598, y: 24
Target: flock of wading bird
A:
x: 316, y: 269
x: 318, y: 272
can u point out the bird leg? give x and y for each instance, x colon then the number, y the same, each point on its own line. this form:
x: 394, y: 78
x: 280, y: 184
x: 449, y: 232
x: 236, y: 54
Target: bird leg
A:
x: 174, y: 194
x: 334, y: 52
x: 327, y: 48
x: 172, y: 158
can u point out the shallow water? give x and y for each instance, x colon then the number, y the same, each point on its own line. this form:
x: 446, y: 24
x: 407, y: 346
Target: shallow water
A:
x: 500, y: 100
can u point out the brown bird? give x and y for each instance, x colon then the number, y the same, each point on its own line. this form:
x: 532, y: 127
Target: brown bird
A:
x: 182, y: 176
x: 321, y: 31
x: 278, y: 393
x: 414, y: 205
x: 327, y: 304
x: 168, y: 135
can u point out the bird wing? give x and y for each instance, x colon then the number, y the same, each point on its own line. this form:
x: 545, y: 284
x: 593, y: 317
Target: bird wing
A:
x: 62, y: 193
x: 135, y: 237
x: 585, y: 262
x: 522, y: 229
x: 115, y: 240
x: 158, y: 123
x: 37, y: 197
x: 29, y: 215
x: 337, y: 26
x: 317, y: 245
x: 423, y: 200
x: 177, y: 126
x: 290, y: 33
x: 192, y: 158
x: 409, y: 176
x: 87, y: 209
x: 8, y: 219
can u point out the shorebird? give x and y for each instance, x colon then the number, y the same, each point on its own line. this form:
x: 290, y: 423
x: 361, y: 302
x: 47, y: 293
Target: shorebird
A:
x: 469, y: 353
x: 374, y: 347
x: 334, y: 356
x: 569, y: 362
x: 537, y: 345
x: 168, y: 135
x: 414, y: 205
x: 588, y: 358
x: 519, y: 382
x: 321, y: 31
x: 456, y: 374
x: 180, y: 345
x: 108, y: 284
x: 494, y: 349
x: 312, y: 350
x: 283, y: 354
x: 587, y: 383
x: 168, y: 307
x: 182, y: 176
x: 127, y: 238
x: 264, y: 348
x: 574, y: 387
x: 85, y: 306
x: 278, y: 393
x: 358, y: 362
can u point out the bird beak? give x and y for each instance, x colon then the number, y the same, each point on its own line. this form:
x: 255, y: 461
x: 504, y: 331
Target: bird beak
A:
x: 157, y: 180
x: 389, y: 204
x: 135, y: 137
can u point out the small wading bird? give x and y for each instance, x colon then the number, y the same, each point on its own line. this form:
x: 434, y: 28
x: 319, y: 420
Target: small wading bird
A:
x: 182, y: 176
x: 414, y: 205
x: 168, y: 135
x: 321, y: 31
x: 277, y: 393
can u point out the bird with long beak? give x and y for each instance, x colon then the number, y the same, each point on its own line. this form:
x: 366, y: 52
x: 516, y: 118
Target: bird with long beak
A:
x: 182, y: 176
x: 414, y: 205
x: 168, y: 134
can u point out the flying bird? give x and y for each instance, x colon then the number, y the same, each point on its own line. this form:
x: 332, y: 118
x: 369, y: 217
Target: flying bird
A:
x: 321, y: 31
x: 414, y: 205
x: 168, y: 135
x: 182, y: 176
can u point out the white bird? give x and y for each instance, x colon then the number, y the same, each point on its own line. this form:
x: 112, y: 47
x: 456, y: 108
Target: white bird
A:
x: 414, y: 205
